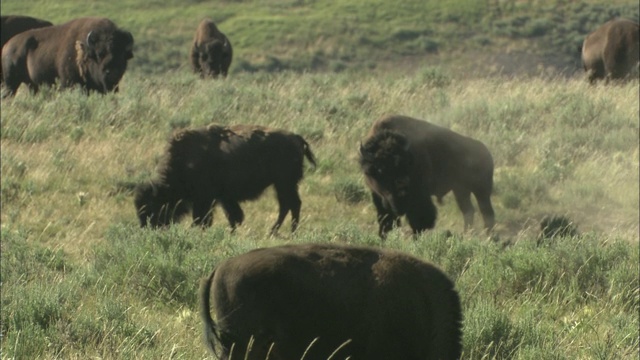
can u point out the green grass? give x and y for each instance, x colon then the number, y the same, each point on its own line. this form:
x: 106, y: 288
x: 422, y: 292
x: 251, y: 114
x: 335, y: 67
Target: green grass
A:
x: 81, y: 280
x: 498, y: 36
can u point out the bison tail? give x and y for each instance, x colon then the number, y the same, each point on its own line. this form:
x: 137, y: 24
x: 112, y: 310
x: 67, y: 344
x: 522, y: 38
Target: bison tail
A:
x: 210, y: 333
x: 307, y: 151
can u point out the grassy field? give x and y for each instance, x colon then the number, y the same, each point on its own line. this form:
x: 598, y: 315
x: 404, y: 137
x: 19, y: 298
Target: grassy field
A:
x: 81, y: 280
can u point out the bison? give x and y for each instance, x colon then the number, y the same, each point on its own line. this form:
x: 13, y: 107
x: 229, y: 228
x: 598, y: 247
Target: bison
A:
x: 612, y: 51
x: 15, y: 24
x: 226, y: 165
x: 405, y: 161
x: 329, y: 301
x: 211, y: 51
x: 90, y: 52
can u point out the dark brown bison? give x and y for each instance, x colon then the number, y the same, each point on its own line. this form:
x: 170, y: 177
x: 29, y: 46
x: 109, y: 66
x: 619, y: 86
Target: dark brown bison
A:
x: 353, y: 302
x: 15, y: 24
x: 612, y: 51
x: 211, y: 51
x: 225, y: 165
x: 405, y: 161
x: 90, y: 52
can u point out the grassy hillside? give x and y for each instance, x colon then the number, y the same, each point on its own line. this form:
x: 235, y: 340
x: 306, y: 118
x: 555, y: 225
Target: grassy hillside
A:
x: 475, y: 37
x: 81, y: 280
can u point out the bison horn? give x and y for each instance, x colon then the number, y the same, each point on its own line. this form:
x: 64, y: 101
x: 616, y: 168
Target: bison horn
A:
x: 91, y: 38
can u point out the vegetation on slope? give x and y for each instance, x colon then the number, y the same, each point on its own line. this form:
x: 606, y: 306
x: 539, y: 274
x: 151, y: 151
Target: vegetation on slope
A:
x: 81, y: 280
x: 509, y: 36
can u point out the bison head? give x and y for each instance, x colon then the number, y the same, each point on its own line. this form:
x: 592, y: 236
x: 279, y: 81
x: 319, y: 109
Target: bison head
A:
x: 102, y: 58
x: 214, y: 57
x: 386, y: 162
x: 154, y: 206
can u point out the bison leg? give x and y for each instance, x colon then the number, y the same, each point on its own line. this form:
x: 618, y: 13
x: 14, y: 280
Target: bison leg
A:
x: 234, y: 213
x: 203, y: 213
x: 486, y: 209
x: 386, y: 218
x: 463, y: 199
x: 288, y: 200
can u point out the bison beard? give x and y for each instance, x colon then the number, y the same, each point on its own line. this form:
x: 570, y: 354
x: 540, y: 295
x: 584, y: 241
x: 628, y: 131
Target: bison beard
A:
x: 224, y: 165
x: 371, y: 304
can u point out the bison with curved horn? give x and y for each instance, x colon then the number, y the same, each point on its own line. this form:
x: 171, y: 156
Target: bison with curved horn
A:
x: 612, y: 51
x: 405, y: 161
x: 329, y: 301
x: 90, y: 52
x: 224, y: 165
x: 211, y: 52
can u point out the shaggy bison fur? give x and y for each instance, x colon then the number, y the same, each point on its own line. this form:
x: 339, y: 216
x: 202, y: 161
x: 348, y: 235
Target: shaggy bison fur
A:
x: 12, y: 25
x: 224, y: 165
x: 90, y: 52
x: 329, y: 301
x: 612, y: 51
x: 405, y: 161
x: 211, y: 52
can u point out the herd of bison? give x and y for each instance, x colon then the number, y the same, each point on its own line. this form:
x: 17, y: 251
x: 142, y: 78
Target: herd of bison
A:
x: 317, y: 300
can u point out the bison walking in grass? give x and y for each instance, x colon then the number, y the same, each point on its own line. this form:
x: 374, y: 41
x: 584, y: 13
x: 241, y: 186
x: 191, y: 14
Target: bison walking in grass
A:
x: 405, y: 161
x: 90, y: 52
x: 224, y: 165
x: 612, y: 51
x: 211, y: 52
x: 318, y: 300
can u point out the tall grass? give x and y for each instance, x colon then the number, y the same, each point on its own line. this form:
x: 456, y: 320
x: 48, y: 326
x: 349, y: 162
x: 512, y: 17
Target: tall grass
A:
x: 81, y: 280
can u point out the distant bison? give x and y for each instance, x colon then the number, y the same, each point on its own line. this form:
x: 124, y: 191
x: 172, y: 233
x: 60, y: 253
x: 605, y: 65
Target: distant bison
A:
x: 612, y: 50
x: 226, y: 165
x: 90, y: 52
x: 211, y: 52
x: 405, y: 161
x: 318, y: 300
x: 14, y: 24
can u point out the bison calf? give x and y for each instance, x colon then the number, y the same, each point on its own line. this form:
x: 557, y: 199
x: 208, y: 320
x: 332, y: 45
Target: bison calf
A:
x: 369, y: 303
x: 211, y: 52
x: 226, y: 165
x: 90, y: 52
x: 612, y: 51
x: 405, y: 161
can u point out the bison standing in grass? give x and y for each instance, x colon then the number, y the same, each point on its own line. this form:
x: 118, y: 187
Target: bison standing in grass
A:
x: 318, y: 300
x: 612, y: 51
x: 405, y: 161
x: 224, y: 165
x: 211, y: 52
x: 12, y: 25
x: 90, y: 52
